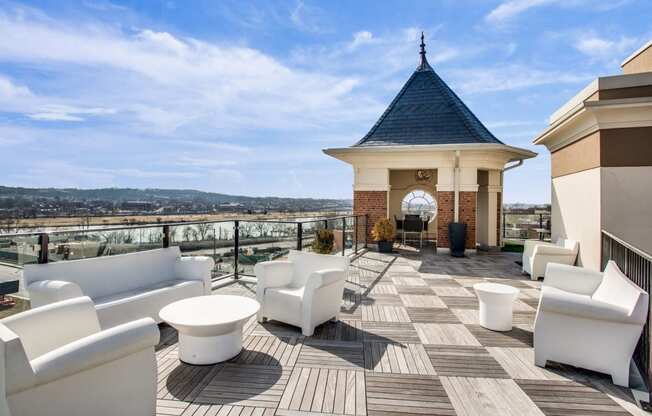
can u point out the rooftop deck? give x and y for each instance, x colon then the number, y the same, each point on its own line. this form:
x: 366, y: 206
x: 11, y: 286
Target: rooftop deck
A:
x: 408, y: 343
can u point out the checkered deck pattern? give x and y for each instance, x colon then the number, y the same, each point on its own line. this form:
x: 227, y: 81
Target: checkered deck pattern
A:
x: 408, y: 343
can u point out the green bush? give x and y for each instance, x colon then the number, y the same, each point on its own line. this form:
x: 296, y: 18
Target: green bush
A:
x: 324, y: 241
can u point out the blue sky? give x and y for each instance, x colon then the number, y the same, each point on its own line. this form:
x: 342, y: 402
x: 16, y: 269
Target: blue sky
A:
x: 239, y: 97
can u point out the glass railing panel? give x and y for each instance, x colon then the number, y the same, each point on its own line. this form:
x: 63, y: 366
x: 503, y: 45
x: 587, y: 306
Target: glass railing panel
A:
x: 518, y: 227
x: 75, y: 245
x: 263, y: 241
x: 19, y: 250
x: 214, y: 240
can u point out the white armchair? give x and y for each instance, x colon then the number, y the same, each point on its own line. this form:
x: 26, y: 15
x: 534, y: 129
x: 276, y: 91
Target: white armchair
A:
x: 589, y: 319
x: 304, y: 291
x: 537, y: 255
x: 58, y: 362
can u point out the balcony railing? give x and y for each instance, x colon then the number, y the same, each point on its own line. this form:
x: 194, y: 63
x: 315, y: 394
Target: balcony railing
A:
x: 235, y: 245
x: 637, y: 266
x: 517, y: 227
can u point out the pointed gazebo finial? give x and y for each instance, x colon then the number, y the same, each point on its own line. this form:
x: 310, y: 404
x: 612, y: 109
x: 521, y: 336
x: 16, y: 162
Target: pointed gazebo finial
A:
x: 423, y: 65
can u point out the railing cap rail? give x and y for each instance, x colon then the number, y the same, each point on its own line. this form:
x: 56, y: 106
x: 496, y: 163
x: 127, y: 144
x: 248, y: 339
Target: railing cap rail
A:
x: 171, y: 224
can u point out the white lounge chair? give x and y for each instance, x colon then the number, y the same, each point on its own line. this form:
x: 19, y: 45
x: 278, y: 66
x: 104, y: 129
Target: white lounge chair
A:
x: 123, y: 287
x: 57, y: 362
x: 589, y: 319
x: 305, y: 291
x: 537, y: 255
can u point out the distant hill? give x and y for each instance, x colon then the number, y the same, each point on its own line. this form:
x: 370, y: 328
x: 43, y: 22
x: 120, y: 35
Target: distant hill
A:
x: 149, y: 195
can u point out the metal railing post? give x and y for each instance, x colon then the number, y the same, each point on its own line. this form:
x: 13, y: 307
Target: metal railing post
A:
x: 236, y: 247
x: 355, y: 233
x: 504, y: 225
x: 43, y: 241
x: 299, y: 236
x: 325, y: 224
x: 166, y: 236
x: 366, y: 224
x: 343, y: 235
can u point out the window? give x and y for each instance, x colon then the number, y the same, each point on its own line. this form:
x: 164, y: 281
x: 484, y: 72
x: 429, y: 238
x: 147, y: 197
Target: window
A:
x: 419, y: 202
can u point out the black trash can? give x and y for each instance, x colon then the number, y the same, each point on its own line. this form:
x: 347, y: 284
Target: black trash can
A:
x: 457, y: 238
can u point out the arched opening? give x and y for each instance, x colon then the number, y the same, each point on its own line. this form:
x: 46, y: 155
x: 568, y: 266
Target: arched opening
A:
x: 419, y: 202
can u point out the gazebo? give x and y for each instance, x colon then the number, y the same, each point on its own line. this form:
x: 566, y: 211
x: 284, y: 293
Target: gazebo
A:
x: 429, y: 154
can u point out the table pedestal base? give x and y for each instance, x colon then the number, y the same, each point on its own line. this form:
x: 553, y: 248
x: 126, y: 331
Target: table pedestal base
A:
x: 496, y: 316
x: 209, y: 350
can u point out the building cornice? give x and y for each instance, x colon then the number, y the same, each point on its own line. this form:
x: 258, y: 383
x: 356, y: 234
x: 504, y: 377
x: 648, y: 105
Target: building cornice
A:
x: 591, y: 116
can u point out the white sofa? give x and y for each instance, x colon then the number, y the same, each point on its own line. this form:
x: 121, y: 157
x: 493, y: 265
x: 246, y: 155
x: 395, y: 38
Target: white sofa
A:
x: 304, y: 291
x: 124, y: 287
x: 589, y: 319
x: 537, y: 255
x: 58, y: 362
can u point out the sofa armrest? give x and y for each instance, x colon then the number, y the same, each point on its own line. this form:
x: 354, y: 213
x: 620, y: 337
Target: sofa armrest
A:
x: 95, y: 350
x: 553, y: 250
x: 272, y: 274
x: 49, y: 327
x: 195, y: 268
x: 582, y: 306
x: 44, y: 292
x: 325, y: 277
x: 530, y: 245
x: 572, y: 278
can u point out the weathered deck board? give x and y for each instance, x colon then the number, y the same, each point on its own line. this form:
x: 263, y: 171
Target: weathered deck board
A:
x: 408, y: 343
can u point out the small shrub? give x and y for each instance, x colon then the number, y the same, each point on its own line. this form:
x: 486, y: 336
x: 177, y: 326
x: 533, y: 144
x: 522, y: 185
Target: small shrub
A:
x: 324, y: 241
x: 383, y: 230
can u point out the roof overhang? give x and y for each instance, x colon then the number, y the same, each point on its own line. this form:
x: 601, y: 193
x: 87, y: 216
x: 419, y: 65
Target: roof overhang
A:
x: 517, y: 152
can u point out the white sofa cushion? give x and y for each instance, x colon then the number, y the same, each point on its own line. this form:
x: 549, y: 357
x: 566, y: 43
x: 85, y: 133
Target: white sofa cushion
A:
x: 100, y: 276
x: 144, y: 302
x: 617, y: 289
x: 581, y: 306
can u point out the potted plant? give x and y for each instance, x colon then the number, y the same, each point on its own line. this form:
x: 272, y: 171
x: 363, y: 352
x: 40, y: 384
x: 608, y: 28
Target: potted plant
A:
x: 324, y: 240
x: 383, y: 233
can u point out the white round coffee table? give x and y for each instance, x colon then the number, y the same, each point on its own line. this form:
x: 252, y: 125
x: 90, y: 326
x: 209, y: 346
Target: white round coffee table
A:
x: 496, y: 304
x: 210, y: 327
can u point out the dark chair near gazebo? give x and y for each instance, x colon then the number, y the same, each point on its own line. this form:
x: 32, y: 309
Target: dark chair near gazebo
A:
x: 413, y: 224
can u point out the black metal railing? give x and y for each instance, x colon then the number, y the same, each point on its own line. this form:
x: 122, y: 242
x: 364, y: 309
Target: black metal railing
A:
x: 236, y: 245
x: 518, y: 226
x: 637, y: 266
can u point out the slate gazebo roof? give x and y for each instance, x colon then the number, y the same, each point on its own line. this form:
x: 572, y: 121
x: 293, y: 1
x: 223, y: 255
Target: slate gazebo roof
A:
x: 427, y: 112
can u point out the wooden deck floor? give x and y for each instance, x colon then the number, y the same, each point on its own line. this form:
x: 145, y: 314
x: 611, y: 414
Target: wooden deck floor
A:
x: 408, y: 343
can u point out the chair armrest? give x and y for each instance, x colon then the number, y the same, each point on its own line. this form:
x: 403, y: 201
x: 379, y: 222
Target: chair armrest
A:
x: 325, y: 277
x: 195, y: 268
x: 582, y: 306
x: 95, y: 350
x: 48, y: 327
x: 44, y: 292
x: 572, y: 278
x: 272, y: 274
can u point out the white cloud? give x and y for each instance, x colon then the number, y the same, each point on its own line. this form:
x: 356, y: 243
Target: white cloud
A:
x: 509, y: 9
x: 600, y: 48
x: 308, y: 18
x: 67, y: 113
x: 10, y: 91
x: 512, y: 77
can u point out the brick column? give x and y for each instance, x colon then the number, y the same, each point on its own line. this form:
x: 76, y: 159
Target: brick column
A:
x: 445, y: 214
x: 371, y: 203
x: 468, y: 205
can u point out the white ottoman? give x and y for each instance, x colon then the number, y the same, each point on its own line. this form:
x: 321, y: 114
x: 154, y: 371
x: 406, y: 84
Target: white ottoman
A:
x: 210, y: 327
x: 496, y: 302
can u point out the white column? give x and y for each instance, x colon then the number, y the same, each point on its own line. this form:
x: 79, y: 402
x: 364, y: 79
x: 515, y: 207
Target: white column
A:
x: 493, y: 188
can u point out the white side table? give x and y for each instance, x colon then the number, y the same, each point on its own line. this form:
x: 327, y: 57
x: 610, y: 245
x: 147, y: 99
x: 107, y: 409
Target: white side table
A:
x: 496, y: 304
x: 210, y: 327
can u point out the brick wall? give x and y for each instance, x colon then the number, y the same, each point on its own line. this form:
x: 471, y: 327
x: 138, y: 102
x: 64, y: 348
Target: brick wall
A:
x: 372, y: 203
x: 468, y: 203
x: 445, y: 214
x: 499, y: 218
